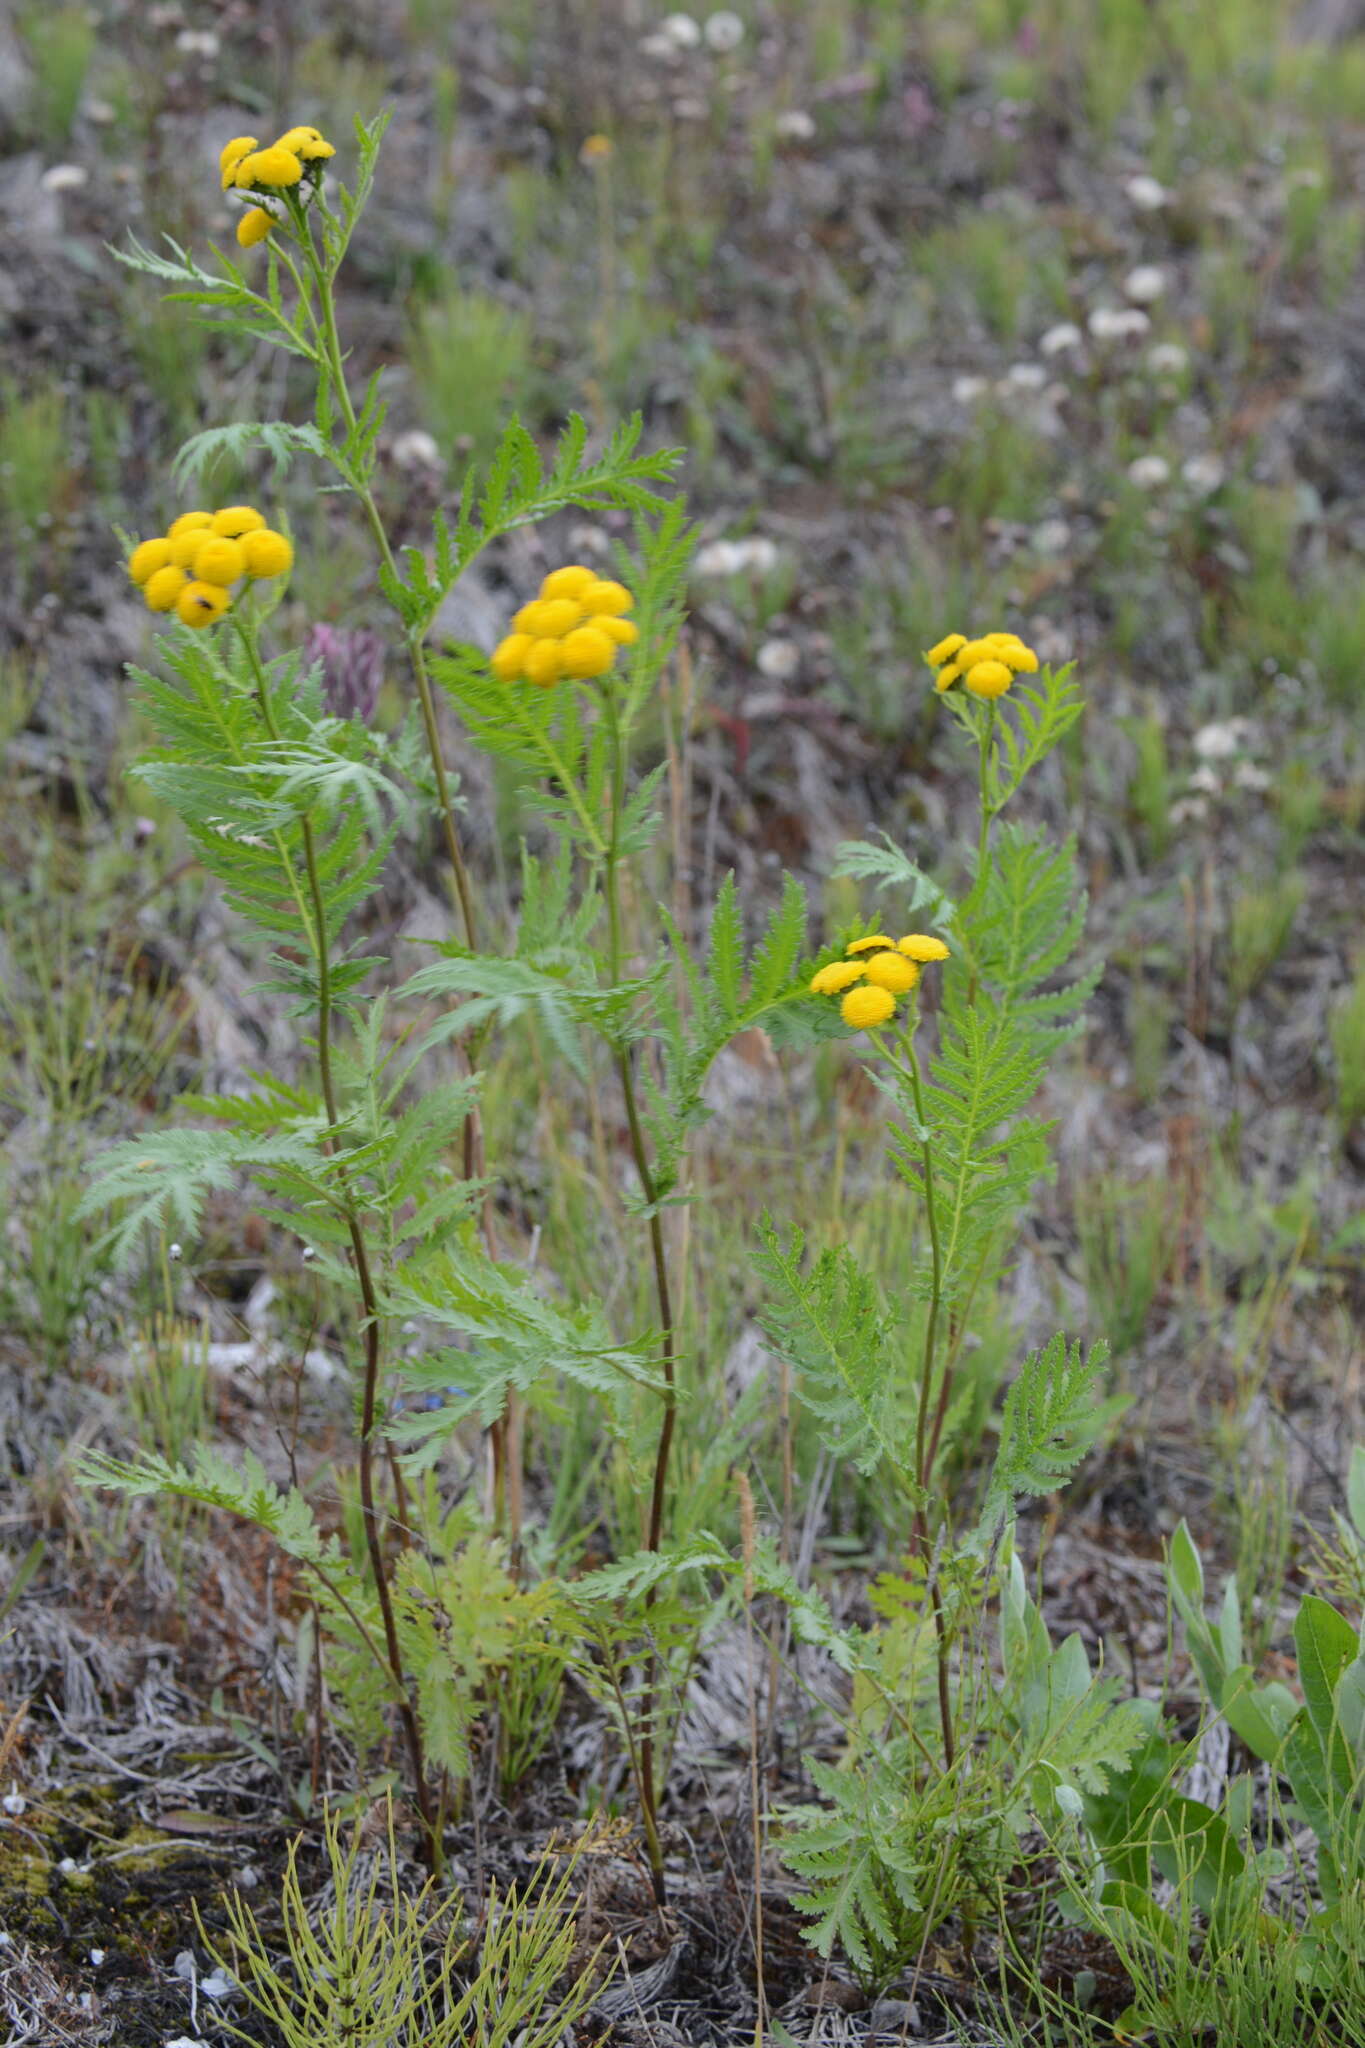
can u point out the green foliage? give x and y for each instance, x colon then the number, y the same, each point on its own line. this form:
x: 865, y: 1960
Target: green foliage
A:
x: 833, y: 1329
x: 34, y: 462
x: 1346, y: 1027
x: 1049, y: 1421
x: 61, y: 42
x: 1127, y: 1235
x: 380, y: 1968
x: 517, y: 490
x: 470, y: 357
x: 1259, y: 928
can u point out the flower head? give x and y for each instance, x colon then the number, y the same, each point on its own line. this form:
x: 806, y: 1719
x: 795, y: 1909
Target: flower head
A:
x: 892, y: 971
x: 834, y: 979
x: 147, y: 558
x: 876, y: 942
x: 268, y: 170
x: 267, y: 553
x: 986, y: 666
x: 201, y: 604
x: 308, y: 144
x: 231, y: 155
x: 865, y: 1008
x: 253, y: 227
x: 921, y: 946
x: 572, y: 629
x: 163, y: 587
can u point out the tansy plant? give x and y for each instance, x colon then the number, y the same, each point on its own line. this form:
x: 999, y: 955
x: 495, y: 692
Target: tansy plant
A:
x: 370, y: 1154
x: 946, y: 1766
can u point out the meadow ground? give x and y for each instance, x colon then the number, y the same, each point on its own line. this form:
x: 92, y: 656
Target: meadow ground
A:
x: 1047, y: 316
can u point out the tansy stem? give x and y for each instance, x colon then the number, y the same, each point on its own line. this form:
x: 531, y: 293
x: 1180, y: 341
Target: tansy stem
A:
x: 319, y: 938
x: 663, y: 1293
x: 506, y: 1483
x: 925, y: 1446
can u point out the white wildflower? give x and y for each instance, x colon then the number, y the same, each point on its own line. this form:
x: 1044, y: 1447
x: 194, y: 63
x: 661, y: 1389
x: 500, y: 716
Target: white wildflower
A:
x: 1112, y: 323
x: 1147, y: 193
x: 1206, y: 780
x: 779, y: 660
x: 416, y: 449
x: 1188, y: 810
x: 198, y: 42
x: 1145, y: 285
x: 1204, y: 474
x: 1065, y: 335
x: 1026, y: 376
x: 966, y: 390
x: 1149, y: 472
x: 795, y: 125
x: 681, y: 30
x: 64, y: 178
x: 1247, y: 775
x: 1217, y: 741
x: 724, y: 31
x: 1052, y: 536
x: 1167, y: 359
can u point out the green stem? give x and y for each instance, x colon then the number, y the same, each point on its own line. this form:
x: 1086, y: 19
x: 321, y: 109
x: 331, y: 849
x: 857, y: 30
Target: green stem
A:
x: 475, y: 1160
x: 924, y: 1447
x: 336, y: 370
x: 663, y: 1292
x: 369, y: 1299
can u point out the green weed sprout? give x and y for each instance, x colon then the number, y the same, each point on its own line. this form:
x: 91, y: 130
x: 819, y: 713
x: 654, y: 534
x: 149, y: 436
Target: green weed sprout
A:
x: 383, y: 1969
x: 911, y: 1834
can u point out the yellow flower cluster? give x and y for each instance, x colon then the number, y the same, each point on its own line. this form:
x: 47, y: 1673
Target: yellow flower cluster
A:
x: 986, y: 666
x: 572, y: 630
x: 874, y: 972
x: 296, y: 158
x: 191, y: 568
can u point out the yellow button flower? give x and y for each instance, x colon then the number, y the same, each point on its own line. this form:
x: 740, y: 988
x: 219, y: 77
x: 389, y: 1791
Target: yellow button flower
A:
x: 988, y: 678
x: 544, y: 663
x: 508, y: 659
x: 267, y: 553
x: 865, y: 1008
x: 605, y: 596
x: 163, y: 587
x: 876, y: 942
x: 570, y: 581
x: 973, y: 651
x: 624, y: 632
x: 834, y: 979
x: 231, y: 155
x: 557, y: 616
x: 185, y: 546
x: 235, y: 520
x: 1010, y: 649
x: 946, y: 677
x: 253, y: 227
x: 201, y: 604
x: 892, y: 971
x: 187, y: 522
x: 535, y: 618
x: 587, y: 652
x: 306, y: 143
x: 272, y: 168
x: 147, y: 558
x: 922, y: 946
x: 219, y: 561
x: 945, y: 649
